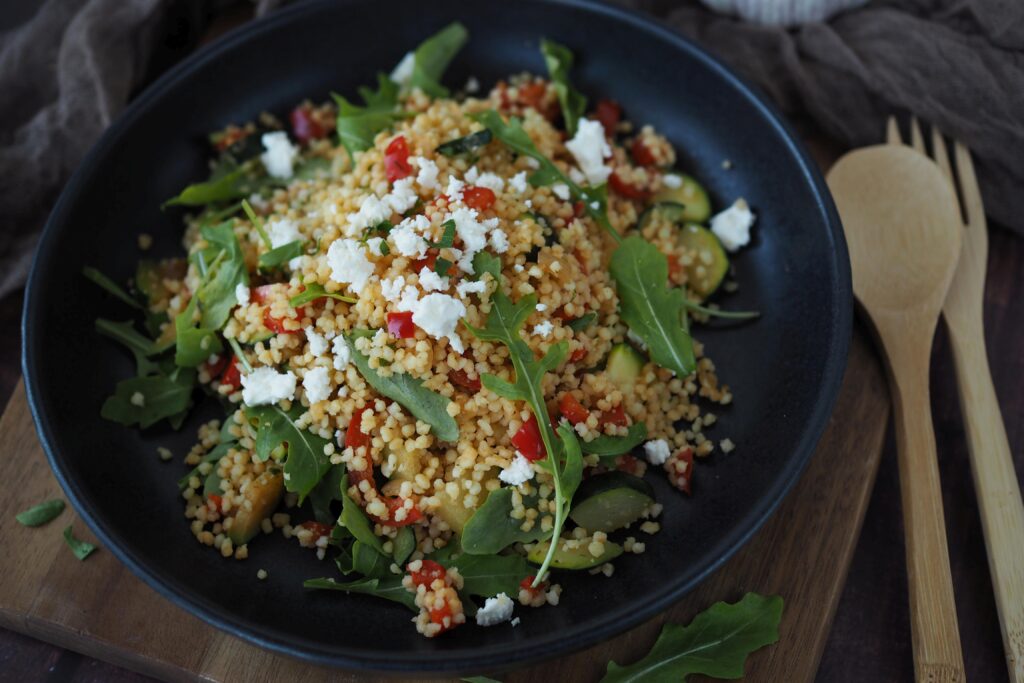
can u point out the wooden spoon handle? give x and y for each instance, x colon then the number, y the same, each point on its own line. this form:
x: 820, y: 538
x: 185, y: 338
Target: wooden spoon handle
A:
x: 933, y: 622
x: 1002, y: 512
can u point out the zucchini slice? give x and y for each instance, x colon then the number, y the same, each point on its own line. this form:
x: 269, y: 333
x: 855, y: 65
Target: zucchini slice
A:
x: 576, y: 557
x: 691, y: 195
x: 610, y: 501
x: 624, y: 365
x: 710, y: 264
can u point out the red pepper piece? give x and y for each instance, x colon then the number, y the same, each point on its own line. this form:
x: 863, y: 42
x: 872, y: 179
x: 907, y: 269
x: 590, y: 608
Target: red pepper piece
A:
x: 400, y: 325
x: 216, y: 501
x: 428, y: 572
x: 528, y: 440
x: 412, y: 515
x: 354, y: 436
x: 625, y: 189
x: 479, y: 198
x: 216, y: 368
x: 641, y: 154
x: 304, y: 126
x: 318, y: 528
x: 578, y: 355
x: 461, y: 378
x: 578, y: 209
x: 396, y: 160
x: 232, y: 376
x: 616, y: 416
x: 572, y: 410
x: 609, y: 113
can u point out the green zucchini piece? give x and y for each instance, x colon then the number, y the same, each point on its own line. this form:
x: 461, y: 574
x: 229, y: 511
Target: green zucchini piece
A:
x: 691, y: 195
x: 610, y: 501
x: 575, y: 557
x: 710, y: 264
x: 624, y: 365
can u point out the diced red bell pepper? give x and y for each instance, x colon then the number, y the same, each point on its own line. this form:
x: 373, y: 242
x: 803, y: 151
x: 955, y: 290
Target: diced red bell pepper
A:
x: 262, y: 293
x: 479, y: 198
x: 528, y: 440
x: 681, y: 480
x: 577, y: 355
x: 232, y: 376
x: 217, y: 367
x: 396, y: 160
x: 354, y: 436
x: 572, y: 410
x: 215, y: 502
x: 625, y: 189
x: 609, y: 113
x: 461, y: 378
x: 578, y: 209
x: 641, y: 154
x: 304, y: 126
x: 400, y: 325
x: 533, y: 95
x: 429, y: 261
x: 318, y: 528
x: 629, y: 464
x: 527, y: 585
x: 616, y: 416
x: 438, y: 615
x: 428, y: 572
x: 276, y: 325
x: 412, y: 515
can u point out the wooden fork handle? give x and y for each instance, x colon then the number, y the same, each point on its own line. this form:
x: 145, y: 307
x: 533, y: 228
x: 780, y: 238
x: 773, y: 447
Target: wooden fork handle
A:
x: 995, y: 482
x: 933, y: 622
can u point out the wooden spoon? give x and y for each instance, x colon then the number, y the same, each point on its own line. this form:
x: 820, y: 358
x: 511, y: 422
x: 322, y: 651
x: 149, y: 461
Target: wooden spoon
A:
x: 903, y: 233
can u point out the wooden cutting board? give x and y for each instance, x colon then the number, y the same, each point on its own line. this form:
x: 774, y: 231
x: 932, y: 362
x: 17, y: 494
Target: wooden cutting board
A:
x: 98, y: 607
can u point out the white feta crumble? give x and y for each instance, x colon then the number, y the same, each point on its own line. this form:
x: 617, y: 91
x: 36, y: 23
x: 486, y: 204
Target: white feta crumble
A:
x: 342, y: 354
x: 529, y: 203
x: 541, y: 308
x: 561, y: 190
x: 518, y: 267
x: 471, y: 175
x: 532, y: 163
x: 732, y: 226
x: 407, y: 242
x: 427, y: 176
x: 266, y: 385
x: 454, y: 190
x: 518, y: 471
x: 472, y: 85
x: 518, y: 182
x: 576, y: 175
x: 391, y: 288
x: 491, y: 181
x: 472, y: 232
x: 499, y: 240
x: 317, y: 384
x: 495, y: 610
x: 374, y: 244
x: 672, y: 181
x: 280, y: 154
x: 402, y: 72
x: 371, y: 212
x: 590, y: 149
x: 515, y: 622
x: 242, y: 294
x: 281, y: 231
x: 317, y: 342
x: 657, y: 451
x: 431, y: 281
x: 467, y: 287
x: 402, y: 197
x: 348, y: 263
x: 437, y: 315
x: 543, y: 329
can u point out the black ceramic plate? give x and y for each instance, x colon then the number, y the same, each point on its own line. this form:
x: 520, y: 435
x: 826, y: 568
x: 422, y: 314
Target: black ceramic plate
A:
x: 785, y: 368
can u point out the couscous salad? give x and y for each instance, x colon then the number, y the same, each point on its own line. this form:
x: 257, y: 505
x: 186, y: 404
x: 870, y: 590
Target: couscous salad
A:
x: 451, y: 332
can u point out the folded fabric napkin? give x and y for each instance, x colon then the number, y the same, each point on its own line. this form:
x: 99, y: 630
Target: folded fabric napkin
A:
x: 72, y: 67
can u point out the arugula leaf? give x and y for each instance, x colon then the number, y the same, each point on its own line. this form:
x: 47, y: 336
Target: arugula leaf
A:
x: 217, y: 291
x: 583, y: 322
x: 389, y: 588
x: 595, y: 200
x: 356, y: 125
x: 368, y: 561
x: 447, y: 238
x: 275, y: 258
x: 312, y: 168
x: 488, y: 575
x: 316, y: 291
x: 716, y: 643
x: 81, y: 549
x: 40, y: 514
x: 465, y: 144
x: 491, y: 529
x: 718, y: 313
x: 559, y: 59
x: 432, y: 57
x: 110, y: 286
x: 214, y: 456
x: 141, y: 347
x: 355, y: 520
x: 404, y: 545
x: 484, y: 262
x: 326, y: 492
x: 193, y: 345
x: 652, y: 309
x: 223, y: 186
x: 161, y: 396
x: 305, y: 463
x: 425, y: 405
x: 611, y: 446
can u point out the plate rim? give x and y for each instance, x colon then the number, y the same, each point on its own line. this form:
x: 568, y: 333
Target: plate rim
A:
x: 495, y: 656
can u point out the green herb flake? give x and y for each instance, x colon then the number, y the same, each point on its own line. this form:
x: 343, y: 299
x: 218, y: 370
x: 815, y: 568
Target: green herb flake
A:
x: 81, y: 549
x: 559, y: 60
x: 612, y: 446
x: 465, y: 144
x: 442, y: 266
x: 38, y: 515
x: 583, y: 322
x: 316, y: 291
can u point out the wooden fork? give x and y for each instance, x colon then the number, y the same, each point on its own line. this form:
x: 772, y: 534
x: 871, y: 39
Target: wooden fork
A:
x: 995, y: 482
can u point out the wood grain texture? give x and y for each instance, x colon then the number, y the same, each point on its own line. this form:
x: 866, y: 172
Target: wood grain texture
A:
x: 99, y: 608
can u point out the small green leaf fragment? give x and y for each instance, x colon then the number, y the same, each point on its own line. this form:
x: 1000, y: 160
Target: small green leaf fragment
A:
x: 81, y: 549
x: 40, y: 514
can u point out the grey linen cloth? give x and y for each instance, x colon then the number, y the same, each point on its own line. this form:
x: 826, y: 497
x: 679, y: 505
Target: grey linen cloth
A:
x: 67, y: 73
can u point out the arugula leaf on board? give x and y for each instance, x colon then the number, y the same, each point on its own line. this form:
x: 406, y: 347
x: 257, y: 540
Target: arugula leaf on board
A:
x: 40, y: 514
x: 81, y: 549
x: 716, y: 643
x: 491, y: 529
x: 652, y: 308
x: 316, y: 291
x: 193, y: 345
x: 425, y: 405
x: 141, y: 347
x: 305, y: 463
x: 389, y: 588
x: 595, y: 199
x: 612, y: 446
x: 465, y: 144
x: 217, y: 291
x: 281, y: 255
x: 355, y: 520
x: 147, y: 400
x: 358, y: 125
x: 488, y: 575
x: 110, y: 286
x: 432, y: 57
x: 559, y: 59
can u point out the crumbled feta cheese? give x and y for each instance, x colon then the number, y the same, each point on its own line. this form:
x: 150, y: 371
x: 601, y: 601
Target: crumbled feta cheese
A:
x: 672, y: 181
x: 317, y: 384
x: 472, y: 85
x: 431, y: 281
x: 437, y: 315
x: 532, y: 163
x: 561, y: 190
x: 402, y: 72
x: 499, y: 240
x: 242, y: 294
x: 518, y: 471
x: 266, y: 385
x: 407, y: 242
x: 342, y: 354
x: 472, y: 232
x: 657, y: 451
x: 541, y: 308
x: 371, y: 212
x: 529, y: 203
x: 518, y: 182
x: 454, y: 190
x: 543, y: 329
x: 518, y: 267
x: 374, y: 244
x: 408, y: 300
x: 495, y: 610
x: 402, y: 197
x: 280, y: 154
x: 348, y: 263
x: 590, y: 149
x: 471, y: 175
x: 282, y: 231
x: 576, y: 175
x: 491, y: 181
x: 515, y: 622
x: 317, y: 342
x: 732, y: 226
x: 467, y: 287
x: 427, y: 176
x: 391, y: 289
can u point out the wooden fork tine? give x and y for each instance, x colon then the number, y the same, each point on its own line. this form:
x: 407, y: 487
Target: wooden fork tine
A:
x: 892, y: 132
x: 916, y: 140
x: 971, y: 195
x: 939, y: 154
